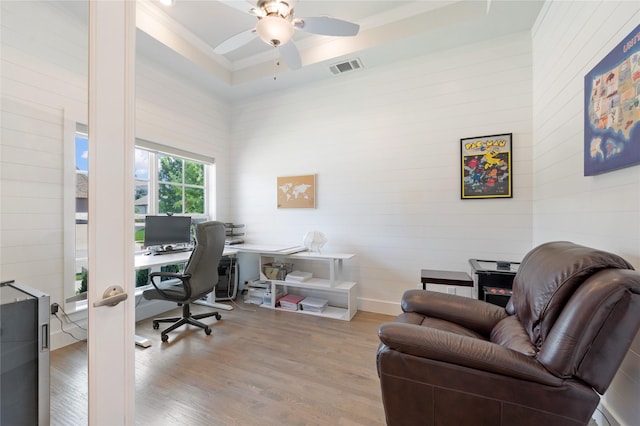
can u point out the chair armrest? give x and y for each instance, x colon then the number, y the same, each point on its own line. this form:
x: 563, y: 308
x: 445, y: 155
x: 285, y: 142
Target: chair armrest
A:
x: 465, y: 351
x: 473, y: 314
x: 178, y: 275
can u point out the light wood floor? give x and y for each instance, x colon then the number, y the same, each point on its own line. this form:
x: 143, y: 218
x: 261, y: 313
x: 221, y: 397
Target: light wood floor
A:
x: 258, y: 367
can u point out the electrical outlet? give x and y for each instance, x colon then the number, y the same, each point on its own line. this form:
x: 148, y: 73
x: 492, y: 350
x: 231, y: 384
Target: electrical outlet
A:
x: 54, y: 308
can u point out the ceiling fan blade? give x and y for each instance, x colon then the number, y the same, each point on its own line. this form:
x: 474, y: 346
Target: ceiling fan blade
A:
x: 236, y: 41
x: 324, y: 25
x: 290, y: 55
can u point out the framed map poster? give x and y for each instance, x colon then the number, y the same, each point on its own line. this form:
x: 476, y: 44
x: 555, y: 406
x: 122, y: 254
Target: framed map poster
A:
x: 612, y: 109
x: 297, y: 192
x: 486, y: 166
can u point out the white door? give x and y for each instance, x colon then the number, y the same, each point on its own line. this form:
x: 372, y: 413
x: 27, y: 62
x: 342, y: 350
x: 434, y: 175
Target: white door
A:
x: 111, y: 137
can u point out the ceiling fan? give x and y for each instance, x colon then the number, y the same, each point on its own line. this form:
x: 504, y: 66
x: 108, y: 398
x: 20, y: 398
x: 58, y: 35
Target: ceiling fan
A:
x: 276, y: 25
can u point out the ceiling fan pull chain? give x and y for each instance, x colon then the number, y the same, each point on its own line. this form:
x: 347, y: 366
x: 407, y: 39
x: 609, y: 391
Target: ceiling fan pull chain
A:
x: 276, y: 61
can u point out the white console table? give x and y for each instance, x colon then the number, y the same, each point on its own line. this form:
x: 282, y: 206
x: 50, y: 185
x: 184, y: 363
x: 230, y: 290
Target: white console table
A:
x: 327, y: 281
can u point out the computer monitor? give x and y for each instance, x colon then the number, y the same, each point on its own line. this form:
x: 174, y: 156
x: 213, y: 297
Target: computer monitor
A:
x: 167, y: 230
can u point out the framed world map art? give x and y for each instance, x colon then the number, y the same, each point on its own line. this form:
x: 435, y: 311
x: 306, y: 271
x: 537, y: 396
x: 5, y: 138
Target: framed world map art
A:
x: 612, y: 109
x: 297, y: 192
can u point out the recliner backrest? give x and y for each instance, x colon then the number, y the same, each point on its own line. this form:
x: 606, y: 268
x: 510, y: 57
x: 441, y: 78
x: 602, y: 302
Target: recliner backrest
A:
x: 203, y: 263
x: 595, y: 329
x: 547, y: 278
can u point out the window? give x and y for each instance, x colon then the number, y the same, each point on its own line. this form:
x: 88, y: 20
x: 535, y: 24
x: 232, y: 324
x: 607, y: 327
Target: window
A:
x: 169, y: 183
x: 141, y: 175
x: 180, y: 186
x: 81, y: 207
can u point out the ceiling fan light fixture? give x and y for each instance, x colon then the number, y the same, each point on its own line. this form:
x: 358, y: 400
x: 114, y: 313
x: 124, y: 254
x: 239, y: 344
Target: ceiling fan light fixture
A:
x: 276, y: 7
x: 274, y: 30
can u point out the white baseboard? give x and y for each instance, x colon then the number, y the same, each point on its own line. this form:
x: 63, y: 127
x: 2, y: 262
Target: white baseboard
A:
x: 379, y: 306
x: 60, y: 339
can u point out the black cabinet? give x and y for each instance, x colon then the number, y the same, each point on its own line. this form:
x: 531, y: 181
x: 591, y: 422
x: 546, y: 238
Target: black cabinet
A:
x: 227, y: 287
x: 24, y: 355
x: 493, y: 279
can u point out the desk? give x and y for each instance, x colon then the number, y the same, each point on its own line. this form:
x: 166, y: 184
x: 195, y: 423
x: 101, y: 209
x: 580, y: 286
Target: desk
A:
x: 144, y: 261
x: 276, y: 249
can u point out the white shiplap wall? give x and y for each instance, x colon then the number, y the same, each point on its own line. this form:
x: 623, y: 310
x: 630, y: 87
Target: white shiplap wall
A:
x: 385, y: 145
x: 603, y: 211
x: 44, y: 83
x: 175, y: 113
x: 44, y: 80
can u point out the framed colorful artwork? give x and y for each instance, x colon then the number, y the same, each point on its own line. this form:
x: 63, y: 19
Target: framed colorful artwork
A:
x: 612, y: 109
x: 487, y: 170
x: 297, y: 192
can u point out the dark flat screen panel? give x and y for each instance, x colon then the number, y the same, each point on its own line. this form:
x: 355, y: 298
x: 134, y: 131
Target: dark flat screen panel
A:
x: 162, y: 230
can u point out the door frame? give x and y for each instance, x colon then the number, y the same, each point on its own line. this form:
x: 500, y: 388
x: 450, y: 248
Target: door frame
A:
x: 111, y: 329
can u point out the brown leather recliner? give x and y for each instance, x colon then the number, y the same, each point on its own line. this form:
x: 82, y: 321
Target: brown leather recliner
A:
x: 543, y: 360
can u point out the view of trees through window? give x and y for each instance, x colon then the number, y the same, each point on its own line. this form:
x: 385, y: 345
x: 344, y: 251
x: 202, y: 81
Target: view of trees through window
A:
x: 168, y: 184
x: 180, y: 185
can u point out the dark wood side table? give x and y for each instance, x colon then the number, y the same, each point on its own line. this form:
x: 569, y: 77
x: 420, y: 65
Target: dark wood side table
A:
x: 447, y: 278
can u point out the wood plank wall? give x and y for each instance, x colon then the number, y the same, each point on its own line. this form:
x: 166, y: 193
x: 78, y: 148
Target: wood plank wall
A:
x: 603, y: 211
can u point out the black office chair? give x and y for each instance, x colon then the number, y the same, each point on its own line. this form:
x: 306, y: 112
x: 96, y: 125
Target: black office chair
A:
x: 199, y: 278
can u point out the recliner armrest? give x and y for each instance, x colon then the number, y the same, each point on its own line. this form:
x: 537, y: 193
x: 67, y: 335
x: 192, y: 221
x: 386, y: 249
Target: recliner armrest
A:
x: 473, y: 314
x: 465, y: 351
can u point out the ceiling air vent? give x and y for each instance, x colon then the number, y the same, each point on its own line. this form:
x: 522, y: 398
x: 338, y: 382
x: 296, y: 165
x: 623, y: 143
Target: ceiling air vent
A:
x: 353, y: 64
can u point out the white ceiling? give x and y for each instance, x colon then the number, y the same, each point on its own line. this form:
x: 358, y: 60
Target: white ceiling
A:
x: 182, y: 37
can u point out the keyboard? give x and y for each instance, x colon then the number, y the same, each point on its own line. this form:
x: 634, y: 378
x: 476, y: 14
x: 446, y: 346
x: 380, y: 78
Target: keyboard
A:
x: 178, y: 250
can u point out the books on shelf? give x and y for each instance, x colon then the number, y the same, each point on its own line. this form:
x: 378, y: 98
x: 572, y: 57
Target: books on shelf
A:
x: 313, y: 304
x: 289, y: 301
x: 298, y: 276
